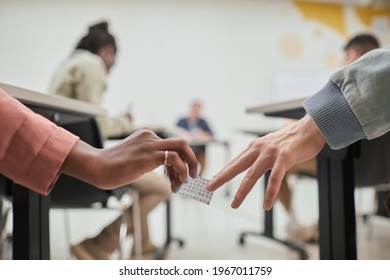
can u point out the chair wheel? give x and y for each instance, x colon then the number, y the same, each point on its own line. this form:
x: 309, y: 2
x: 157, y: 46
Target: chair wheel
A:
x: 304, y: 256
x: 365, y: 218
x: 242, y: 240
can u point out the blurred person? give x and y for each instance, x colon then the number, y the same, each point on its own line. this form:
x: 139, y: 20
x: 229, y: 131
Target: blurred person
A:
x: 197, y: 132
x: 356, y: 47
x: 83, y: 76
x: 352, y: 106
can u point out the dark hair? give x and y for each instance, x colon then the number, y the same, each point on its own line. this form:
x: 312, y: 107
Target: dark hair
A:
x: 98, y: 36
x: 363, y: 43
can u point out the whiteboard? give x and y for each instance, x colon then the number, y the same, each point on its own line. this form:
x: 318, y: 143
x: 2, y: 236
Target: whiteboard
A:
x: 288, y: 85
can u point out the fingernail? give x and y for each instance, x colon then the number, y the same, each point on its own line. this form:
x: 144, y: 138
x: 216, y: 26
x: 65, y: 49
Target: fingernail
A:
x: 177, y: 189
x: 196, y: 175
x: 187, y: 179
x: 235, y: 203
x: 266, y: 205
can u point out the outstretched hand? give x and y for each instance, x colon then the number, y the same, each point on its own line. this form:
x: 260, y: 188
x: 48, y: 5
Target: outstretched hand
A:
x: 139, y: 153
x: 278, y: 152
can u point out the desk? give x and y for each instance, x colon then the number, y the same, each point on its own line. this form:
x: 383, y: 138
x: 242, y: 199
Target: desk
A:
x: 337, y: 224
x: 31, y: 210
x: 162, y: 251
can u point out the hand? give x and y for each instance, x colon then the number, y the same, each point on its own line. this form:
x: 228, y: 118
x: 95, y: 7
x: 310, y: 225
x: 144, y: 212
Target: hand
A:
x: 140, y: 153
x: 201, y: 135
x: 278, y: 152
x: 129, y: 117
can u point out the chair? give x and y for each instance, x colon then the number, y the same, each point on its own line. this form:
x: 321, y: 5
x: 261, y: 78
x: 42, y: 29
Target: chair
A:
x: 169, y: 239
x: 71, y: 193
x: 5, y: 208
x: 371, y: 167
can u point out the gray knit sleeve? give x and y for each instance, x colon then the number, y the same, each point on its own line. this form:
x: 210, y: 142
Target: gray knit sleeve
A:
x: 334, y: 117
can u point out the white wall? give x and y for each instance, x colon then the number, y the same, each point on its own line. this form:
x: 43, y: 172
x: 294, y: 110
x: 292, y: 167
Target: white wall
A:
x: 170, y: 51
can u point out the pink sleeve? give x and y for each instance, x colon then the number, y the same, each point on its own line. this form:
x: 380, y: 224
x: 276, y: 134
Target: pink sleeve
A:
x: 32, y: 149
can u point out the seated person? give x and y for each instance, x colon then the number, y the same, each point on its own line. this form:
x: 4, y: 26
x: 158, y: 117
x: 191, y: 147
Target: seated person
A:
x: 354, y: 49
x: 83, y: 76
x: 197, y: 132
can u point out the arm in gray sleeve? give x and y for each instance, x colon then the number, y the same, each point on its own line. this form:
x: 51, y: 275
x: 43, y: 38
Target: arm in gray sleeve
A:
x: 355, y: 103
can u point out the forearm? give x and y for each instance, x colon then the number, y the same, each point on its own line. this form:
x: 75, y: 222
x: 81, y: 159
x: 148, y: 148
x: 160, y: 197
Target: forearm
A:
x: 32, y: 149
x: 82, y: 163
x: 203, y: 136
x: 366, y: 85
x: 354, y: 103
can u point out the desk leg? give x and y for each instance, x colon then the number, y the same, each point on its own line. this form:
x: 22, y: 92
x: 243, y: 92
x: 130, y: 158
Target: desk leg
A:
x: 269, y: 230
x: 337, y: 209
x: 161, y: 254
x: 30, y: 237
x: 228, y: 186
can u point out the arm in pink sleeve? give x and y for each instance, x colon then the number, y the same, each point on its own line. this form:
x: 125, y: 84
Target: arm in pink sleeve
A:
x: 32, y: 149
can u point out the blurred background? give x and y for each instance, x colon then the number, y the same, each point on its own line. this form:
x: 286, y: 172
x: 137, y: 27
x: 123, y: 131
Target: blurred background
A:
x: 225, y: 52
x: 231, y: 54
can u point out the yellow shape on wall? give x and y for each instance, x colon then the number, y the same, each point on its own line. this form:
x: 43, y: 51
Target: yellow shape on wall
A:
x: 367, y: 14
x: 327, y: 13
x: 291, y: 46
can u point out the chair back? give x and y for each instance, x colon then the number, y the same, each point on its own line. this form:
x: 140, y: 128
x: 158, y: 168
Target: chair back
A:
x: 5, y: 186
x: 70, y: 192
x: 372, y: 165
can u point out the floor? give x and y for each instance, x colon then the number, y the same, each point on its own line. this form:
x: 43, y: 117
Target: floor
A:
x: 212, y: 231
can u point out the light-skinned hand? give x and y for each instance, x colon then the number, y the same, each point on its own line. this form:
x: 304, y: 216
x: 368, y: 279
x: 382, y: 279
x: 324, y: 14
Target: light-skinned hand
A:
x: 277, y: 151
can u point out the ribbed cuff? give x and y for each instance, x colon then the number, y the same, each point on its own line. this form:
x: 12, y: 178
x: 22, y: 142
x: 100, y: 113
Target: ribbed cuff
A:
x: 334, y: 117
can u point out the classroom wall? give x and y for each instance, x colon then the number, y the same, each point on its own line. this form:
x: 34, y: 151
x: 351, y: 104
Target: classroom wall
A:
x: 225, y: 52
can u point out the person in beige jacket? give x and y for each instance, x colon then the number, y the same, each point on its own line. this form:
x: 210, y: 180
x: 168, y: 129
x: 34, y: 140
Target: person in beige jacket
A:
x: 83, y: 76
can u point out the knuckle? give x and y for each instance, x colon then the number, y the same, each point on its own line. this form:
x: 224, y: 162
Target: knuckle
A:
x: 147, y: 131
x: 249, y: 174
x: 251, y: 143
x: 181, y: 144
x: 272, y: 149
x: 271, y: 192
x: 272, y: 180
x: 283, y: 153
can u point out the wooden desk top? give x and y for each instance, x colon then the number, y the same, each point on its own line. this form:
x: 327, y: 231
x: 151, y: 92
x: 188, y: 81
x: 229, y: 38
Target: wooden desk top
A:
x: 29, y: 97
x: 164, y: 132
x: 287, y: 109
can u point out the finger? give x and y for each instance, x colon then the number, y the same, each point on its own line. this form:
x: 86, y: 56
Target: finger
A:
x: 235, y: 167
x: 144, y: 131
x: 175, y: 181
x: 274, y: 182
x: 171, y: 176
x: 178, y: 165
x: 185, y: 152
x: 258, y: 169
